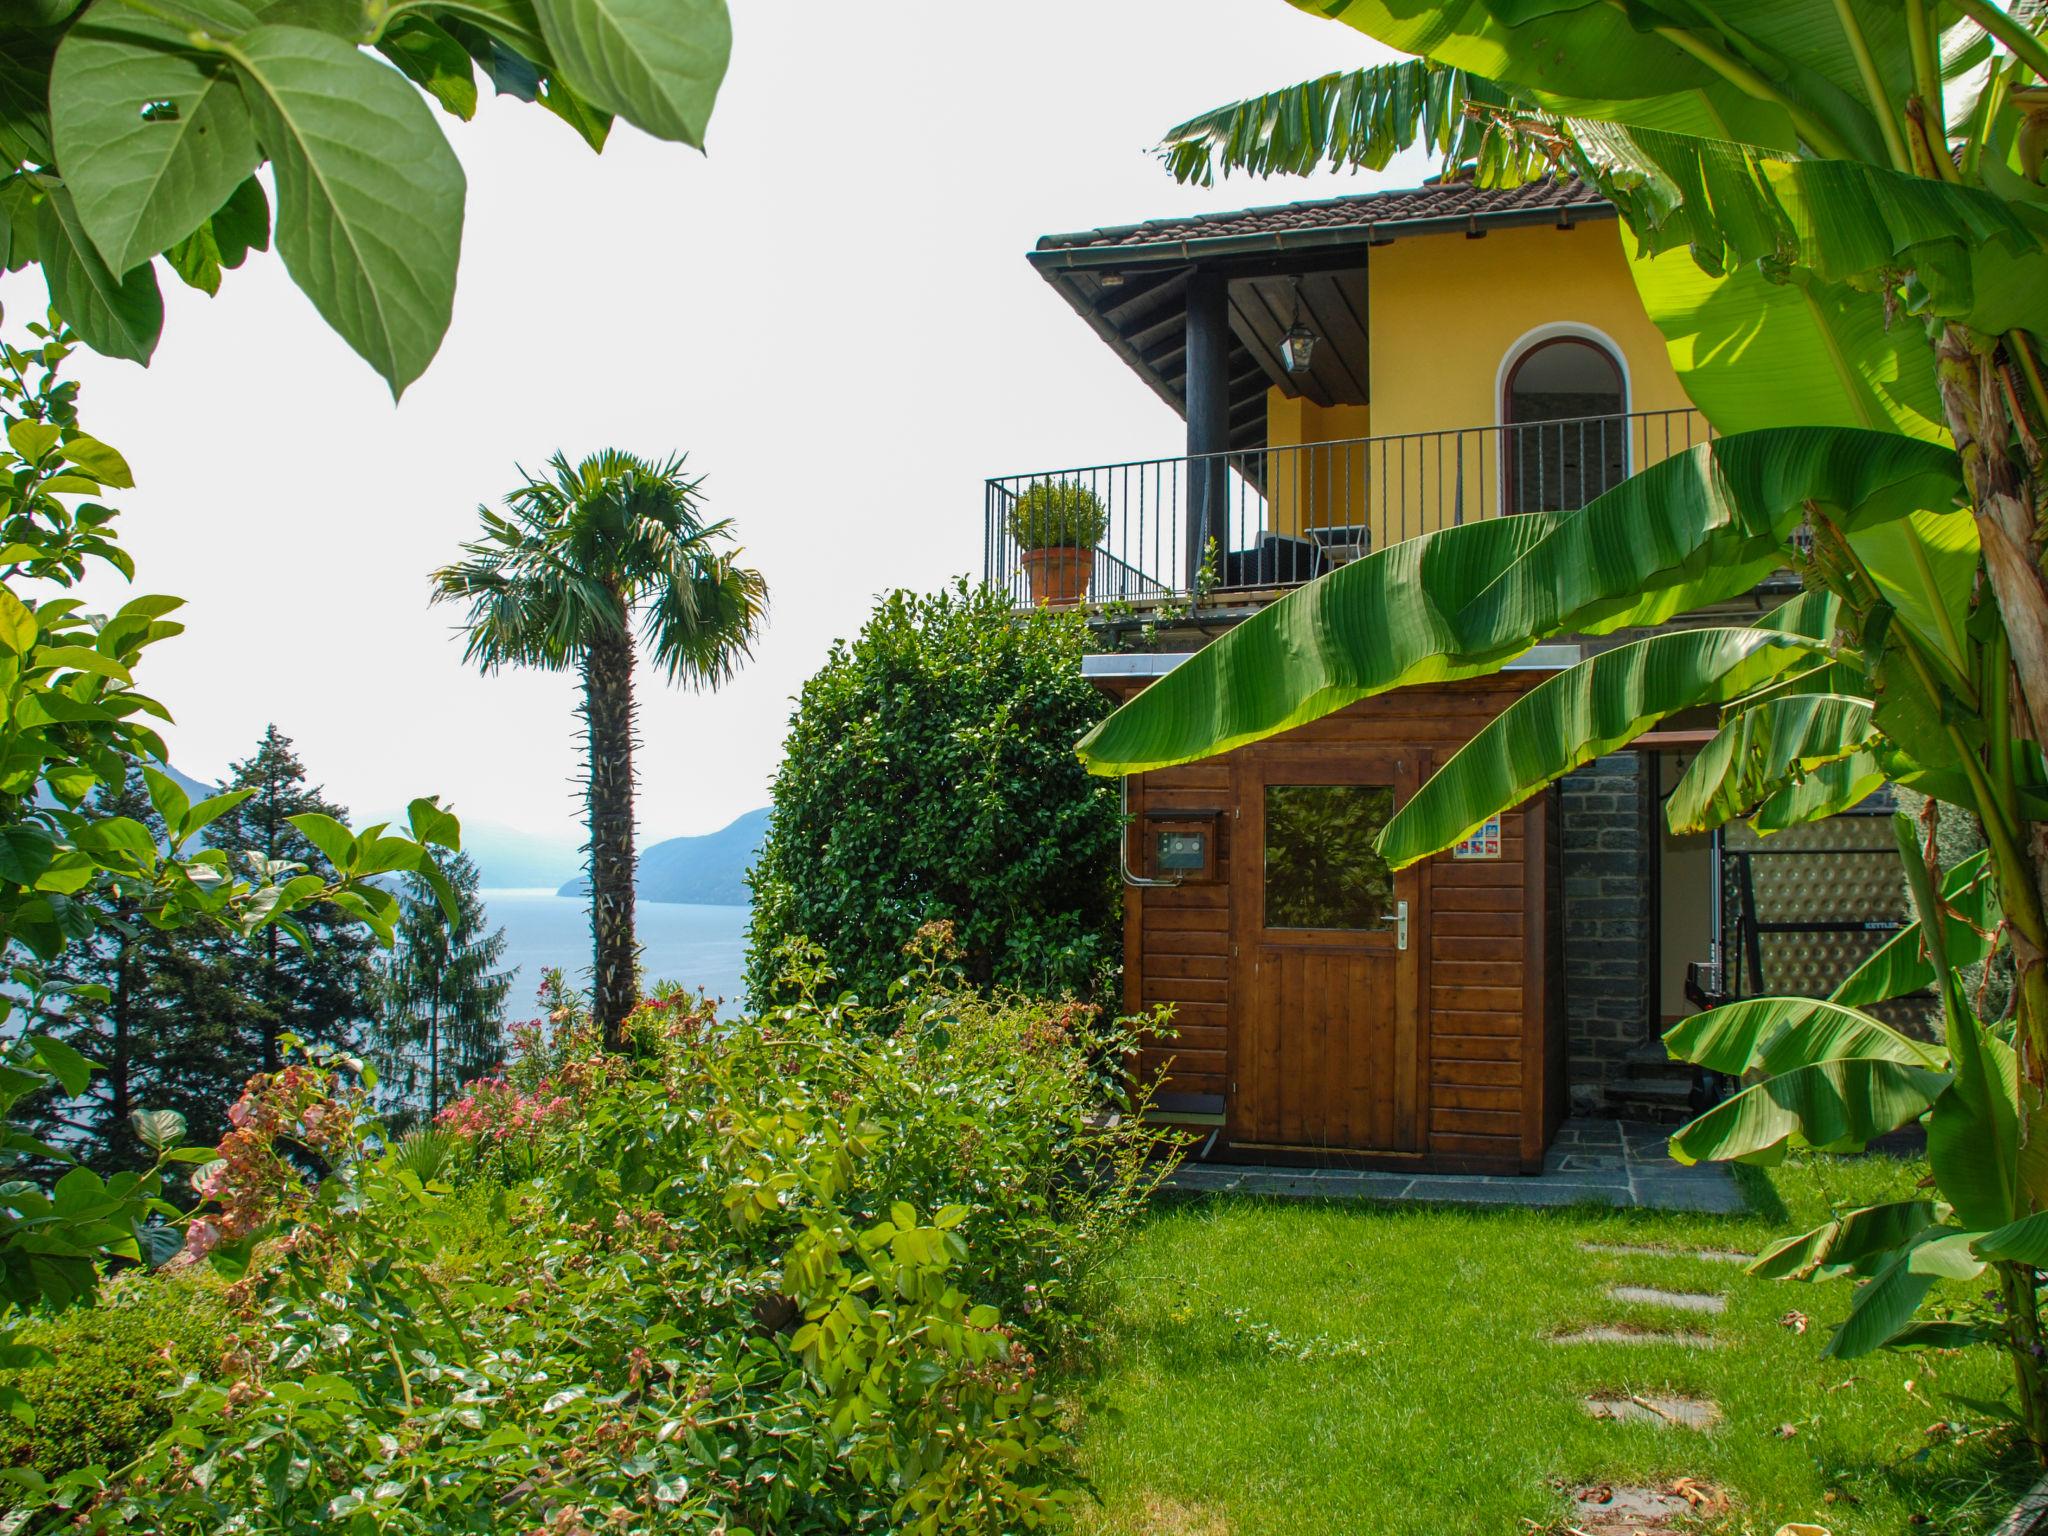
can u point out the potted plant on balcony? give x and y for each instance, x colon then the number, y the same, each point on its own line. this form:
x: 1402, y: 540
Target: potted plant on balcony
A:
x: 1057, y: 524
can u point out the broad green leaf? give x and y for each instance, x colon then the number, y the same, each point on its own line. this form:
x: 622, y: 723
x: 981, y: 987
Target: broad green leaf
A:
x: 1925, y: 566
x: 1760, y: 752
x: 18, y: 628
x: 1375, y: 624
x: 72, y: 1071
x: 26, y: 850
x: 1826, y: 790
x: 1900, y: 967
x: 1884, y: 1306
x: 242, y: 224
x: 1776, y: 1034
x: 2021, y: 1242
x: 656, y: 63
x: 1752, y: 353
x: 434, y: 61
x: 121, y: 316
x: 103, y: 463
x: 169, y: 798
x: 329, y: 836
x: 369, y: 195
x: 212, y: 808
x: 1849, y: 1239
x: 1604, y: 702
x: 1973, y: 1135
x: 1845, y: 222
x: 151, y: 136
x: 1577, y: 59
x: 1704, y: 525
x: 158, y: 1129
x: 1838, y: 1106
x: 33, y: 439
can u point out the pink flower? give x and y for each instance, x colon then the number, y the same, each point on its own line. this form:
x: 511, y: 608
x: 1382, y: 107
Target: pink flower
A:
x: 201, y: 1238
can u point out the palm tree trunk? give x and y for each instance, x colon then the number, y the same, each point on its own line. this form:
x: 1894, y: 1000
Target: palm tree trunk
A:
x: 608, y: 713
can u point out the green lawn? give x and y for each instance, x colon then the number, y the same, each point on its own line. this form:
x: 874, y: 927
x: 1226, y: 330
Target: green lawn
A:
x: 1430, y: 1401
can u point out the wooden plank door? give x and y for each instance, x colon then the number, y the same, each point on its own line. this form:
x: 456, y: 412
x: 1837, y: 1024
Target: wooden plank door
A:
x: 1326, y: 1048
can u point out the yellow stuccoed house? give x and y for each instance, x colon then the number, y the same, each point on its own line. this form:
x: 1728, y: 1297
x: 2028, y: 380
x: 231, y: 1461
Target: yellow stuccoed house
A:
x: 1354, y: 371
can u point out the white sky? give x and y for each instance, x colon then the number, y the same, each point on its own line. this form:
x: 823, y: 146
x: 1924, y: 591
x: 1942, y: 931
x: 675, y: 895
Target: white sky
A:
x: 831, y: 313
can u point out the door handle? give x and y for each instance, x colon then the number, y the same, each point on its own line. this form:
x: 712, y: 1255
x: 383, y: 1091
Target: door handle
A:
x: 1400, y: 925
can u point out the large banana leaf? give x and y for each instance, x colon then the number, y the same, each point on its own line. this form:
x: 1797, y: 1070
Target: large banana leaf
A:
x: 1696, y: 528
x: 1776, y: 1034
x: 1706, y: 524
x: 1844, y: 221
x: 1604, y: 702
x: 1588, y: 58
x: 1900, y: 967
x: 2021, y: 1242
x: 1847, y: 1241
x: 1761, y: 752
x: 1973, y: 1135
x: 1373, y: 625
x: 1925, y: 566
x: 1883, y: 1309
x: 1828, y: 790
x: 1753, y: 352
x: 1837, y: 1106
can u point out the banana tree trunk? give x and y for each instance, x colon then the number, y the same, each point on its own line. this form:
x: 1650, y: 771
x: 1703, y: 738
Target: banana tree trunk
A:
x: 608, y: 713
x: 2004, y: 497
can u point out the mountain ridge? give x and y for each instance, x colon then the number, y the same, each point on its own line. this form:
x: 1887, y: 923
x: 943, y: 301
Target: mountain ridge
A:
x: 708, y: 870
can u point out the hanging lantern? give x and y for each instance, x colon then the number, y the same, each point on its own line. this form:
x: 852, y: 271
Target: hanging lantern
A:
x: 1296, y: 346
x: 1299, y: 342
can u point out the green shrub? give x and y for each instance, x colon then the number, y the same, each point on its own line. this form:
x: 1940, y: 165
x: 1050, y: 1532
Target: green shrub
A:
x: 1057, y: 514
x: 97, y: 1398
x: 929, y: 774
x: 795, y: 1273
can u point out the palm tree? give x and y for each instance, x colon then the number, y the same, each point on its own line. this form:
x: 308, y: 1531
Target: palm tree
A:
x: 557, y: 581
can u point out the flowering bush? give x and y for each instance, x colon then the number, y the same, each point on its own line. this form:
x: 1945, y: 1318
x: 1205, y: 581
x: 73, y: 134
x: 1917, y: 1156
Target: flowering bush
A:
x: 797, y: 1273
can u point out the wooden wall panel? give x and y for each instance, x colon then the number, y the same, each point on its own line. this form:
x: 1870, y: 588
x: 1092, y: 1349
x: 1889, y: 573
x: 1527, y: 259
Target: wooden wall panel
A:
x: 1489, y: 1040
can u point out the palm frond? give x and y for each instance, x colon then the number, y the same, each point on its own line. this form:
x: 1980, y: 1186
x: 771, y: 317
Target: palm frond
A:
x: 583, y: 546
x: 1359, y: 119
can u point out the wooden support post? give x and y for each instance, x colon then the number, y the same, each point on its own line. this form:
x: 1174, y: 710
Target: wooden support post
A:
x: 1208, y: 402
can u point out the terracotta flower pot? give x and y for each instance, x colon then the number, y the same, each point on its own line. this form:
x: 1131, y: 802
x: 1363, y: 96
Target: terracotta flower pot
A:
x: 1059, y: 577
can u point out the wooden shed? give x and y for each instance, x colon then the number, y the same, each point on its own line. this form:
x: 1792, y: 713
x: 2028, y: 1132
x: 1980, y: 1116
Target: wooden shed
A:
x: 1325, y: 1009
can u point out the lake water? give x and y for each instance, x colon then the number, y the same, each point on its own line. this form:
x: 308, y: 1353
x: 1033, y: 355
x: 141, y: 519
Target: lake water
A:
x: 699, y: 946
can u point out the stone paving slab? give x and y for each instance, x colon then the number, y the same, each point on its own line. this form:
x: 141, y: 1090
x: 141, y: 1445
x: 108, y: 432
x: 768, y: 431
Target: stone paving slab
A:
x: 1675, y: 1301
x: 1601, y: 1162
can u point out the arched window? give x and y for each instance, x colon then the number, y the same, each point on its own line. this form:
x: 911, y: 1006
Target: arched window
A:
x: 1564, y: 429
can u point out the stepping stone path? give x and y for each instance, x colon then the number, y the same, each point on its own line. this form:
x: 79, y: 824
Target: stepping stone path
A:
x: 1710, y: 1255
x: 1635, y: 1511
x: 1677, y: 1301
x: 1636, y: 1407
x: 1608, y: 1333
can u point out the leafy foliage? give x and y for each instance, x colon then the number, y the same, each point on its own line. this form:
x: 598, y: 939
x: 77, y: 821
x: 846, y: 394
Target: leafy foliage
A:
x: 72, y: 723
x: 1057, y: 514
x: 795, y: 1273
x: 928, y: 775
x: 132, y: 132
x: 98, y: 1394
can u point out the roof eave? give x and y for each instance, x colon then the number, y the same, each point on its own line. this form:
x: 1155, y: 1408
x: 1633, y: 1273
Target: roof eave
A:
x: 1067, y: 258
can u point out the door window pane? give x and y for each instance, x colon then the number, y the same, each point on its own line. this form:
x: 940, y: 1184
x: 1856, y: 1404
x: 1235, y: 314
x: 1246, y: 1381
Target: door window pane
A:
x: 1321, y: 871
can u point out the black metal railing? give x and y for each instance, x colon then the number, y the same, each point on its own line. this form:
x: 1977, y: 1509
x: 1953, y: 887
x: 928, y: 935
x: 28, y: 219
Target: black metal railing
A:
x: 1236, y: 524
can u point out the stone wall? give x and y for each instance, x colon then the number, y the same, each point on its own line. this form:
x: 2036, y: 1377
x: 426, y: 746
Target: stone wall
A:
x: 1605, y: 810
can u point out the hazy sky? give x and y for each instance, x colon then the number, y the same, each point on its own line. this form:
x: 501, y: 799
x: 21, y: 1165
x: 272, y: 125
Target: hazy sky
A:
x: 830, y: 313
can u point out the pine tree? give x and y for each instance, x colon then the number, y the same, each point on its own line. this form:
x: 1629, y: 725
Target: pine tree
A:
x: 157, y: 1034
x: 276, y: 986
x: 442, y: 994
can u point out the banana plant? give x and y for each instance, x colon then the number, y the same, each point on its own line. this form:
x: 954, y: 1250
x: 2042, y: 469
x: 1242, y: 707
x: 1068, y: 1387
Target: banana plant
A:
x: 1838, y: 220
x: 1826, y: 1074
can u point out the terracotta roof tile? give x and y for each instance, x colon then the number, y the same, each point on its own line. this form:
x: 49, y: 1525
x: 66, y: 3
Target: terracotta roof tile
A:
x: 1446, y: 200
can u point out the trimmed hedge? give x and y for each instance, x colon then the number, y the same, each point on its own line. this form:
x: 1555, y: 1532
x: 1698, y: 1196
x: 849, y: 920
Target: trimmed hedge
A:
x: 929, y: 775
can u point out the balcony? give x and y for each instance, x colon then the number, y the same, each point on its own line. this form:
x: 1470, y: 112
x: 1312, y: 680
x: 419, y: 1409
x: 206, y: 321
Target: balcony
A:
x: 1234, y: 530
